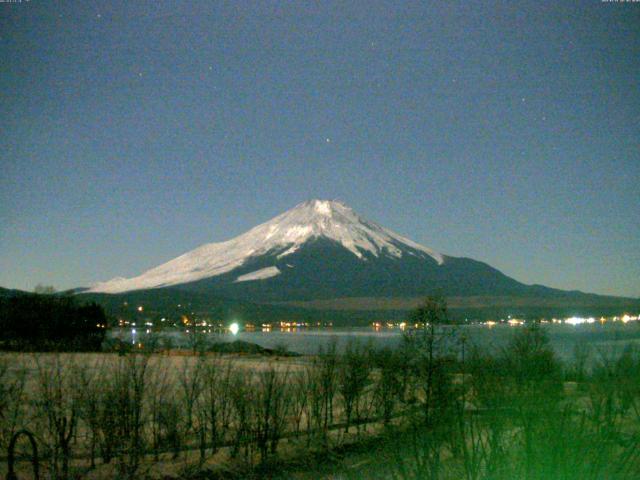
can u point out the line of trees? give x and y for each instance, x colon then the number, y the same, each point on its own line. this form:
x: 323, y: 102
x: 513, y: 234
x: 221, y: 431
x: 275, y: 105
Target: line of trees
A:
x: 50, y: 322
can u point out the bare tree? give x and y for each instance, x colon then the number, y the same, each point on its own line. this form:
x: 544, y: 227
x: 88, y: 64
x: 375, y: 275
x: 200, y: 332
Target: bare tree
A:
x: 388, y: 384
x: 58, y: 401
x: 12, y: 393
x: 242, y: 402
x: 353, y: 377
x: 160, y: 389
x: 321, y: 378
x: 89, y: 381
x: 44, y: 289
x: 300, y: 399
x: 216, y: 399
x: 126, y: 398
x: 272, y: 401
x: 427, y: 347
x: 190, y: 387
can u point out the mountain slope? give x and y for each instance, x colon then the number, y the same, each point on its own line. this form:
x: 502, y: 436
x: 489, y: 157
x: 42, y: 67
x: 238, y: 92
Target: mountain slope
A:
x: 322, y: 251
x: 278, y: 238
x: 322, y: 269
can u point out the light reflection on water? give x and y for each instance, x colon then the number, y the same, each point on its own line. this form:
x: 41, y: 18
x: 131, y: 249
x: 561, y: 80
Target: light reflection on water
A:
x: 605, y: 339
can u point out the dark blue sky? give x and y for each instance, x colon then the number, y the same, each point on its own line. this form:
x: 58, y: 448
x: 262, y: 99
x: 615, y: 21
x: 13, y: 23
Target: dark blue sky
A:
x: 508, y: 132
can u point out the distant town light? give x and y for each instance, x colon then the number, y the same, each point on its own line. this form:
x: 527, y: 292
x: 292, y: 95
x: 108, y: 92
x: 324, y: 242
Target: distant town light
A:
x: 140, y: 309
x: 579, y: 320
x: 234, y: 328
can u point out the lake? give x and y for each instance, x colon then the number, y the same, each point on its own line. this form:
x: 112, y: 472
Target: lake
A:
x: 604, y: 339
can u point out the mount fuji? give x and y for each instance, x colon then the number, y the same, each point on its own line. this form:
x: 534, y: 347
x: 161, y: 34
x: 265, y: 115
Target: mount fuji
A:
x: 278, y: 243
x: 322, y: 254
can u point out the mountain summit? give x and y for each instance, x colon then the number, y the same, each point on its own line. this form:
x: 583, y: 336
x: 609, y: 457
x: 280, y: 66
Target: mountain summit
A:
x: 280, y: 237
x: 323, y: 256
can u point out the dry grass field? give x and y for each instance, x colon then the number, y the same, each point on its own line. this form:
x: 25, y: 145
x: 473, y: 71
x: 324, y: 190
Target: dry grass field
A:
x: 412, y: 412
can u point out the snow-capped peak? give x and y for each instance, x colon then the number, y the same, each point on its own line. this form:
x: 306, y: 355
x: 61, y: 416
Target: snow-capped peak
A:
x: 285, y: 233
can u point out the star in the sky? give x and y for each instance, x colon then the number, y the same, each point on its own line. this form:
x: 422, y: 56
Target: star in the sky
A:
x: 328, y: 140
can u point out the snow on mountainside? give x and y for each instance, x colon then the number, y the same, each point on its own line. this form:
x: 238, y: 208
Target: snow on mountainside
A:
x: 285, y: 234
x: 259, y: 274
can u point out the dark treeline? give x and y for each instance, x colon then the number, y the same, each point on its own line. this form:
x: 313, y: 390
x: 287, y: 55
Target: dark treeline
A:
x: 433, y: 408
x: 50, y: 322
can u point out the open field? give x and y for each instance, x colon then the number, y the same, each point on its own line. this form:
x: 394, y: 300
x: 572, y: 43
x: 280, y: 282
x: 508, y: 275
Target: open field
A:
x: 417, y: 411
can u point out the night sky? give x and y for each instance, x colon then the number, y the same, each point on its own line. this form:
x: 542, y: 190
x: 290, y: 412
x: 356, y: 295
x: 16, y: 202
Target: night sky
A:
x: 508, y: 132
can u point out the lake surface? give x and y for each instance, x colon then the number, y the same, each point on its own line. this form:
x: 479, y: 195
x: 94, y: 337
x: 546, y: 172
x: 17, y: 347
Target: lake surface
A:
x: 608, y: 339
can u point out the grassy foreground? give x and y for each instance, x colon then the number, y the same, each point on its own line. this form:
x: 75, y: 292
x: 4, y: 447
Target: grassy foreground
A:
x: 434, y: 408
